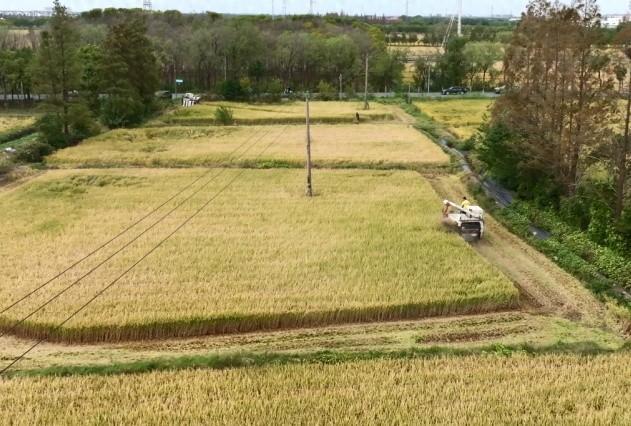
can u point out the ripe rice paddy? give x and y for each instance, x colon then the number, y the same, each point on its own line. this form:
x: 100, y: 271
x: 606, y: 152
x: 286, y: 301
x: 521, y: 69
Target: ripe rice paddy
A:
x: 551, y: 389
x: 13, y: 122
x: 282, y: 113
x: 368, y: 247
x: 462, y: 117
x: 366, y: 145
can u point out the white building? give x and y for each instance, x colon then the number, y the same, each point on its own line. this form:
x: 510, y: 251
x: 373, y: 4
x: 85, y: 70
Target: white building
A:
x: 612, y: 21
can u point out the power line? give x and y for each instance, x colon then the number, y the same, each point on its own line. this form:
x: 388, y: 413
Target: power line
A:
x: 143, y: 257
x: 129, y: 243
x: 124, y: 231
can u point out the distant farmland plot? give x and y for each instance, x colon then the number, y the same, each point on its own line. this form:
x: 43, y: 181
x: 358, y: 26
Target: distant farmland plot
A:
x: 369, y: 246
x: 462, y: 117
x: 473, y: 390
x: 285, y: 113
x: 11, y: 122
x: 366, y: 145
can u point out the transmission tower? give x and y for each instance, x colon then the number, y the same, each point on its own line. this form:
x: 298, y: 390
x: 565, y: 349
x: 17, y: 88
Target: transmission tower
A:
x: 146, y: 5
x: 284, y: 7
x: 407, y: 7
x: 311, y: 8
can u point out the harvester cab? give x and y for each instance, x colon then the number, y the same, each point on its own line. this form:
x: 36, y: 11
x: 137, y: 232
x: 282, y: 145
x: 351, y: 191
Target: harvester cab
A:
x: 469, y: 220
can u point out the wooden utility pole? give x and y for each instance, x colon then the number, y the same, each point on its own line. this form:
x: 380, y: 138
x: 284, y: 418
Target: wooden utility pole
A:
x: 366, y: 105
x: 309, y: 191
x: 341, y: 87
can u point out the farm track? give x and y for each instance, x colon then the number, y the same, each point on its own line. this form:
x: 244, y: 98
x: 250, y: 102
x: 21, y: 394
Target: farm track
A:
x: 461, y: 334
x: 544, y: 286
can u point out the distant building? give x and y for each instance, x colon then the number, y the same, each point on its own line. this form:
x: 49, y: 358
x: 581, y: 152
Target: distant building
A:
x: 612, y: 21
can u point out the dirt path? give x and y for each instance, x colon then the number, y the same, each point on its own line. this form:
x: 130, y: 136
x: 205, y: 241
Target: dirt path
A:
x: 544, y: 286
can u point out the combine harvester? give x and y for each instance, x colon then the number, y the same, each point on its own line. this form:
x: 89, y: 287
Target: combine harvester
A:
x: 468, y: 219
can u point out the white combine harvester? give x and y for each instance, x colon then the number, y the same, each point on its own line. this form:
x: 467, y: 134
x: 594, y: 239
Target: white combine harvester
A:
x: 469, y: 220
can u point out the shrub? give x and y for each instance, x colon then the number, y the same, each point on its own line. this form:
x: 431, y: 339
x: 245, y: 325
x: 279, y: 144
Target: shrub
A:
x: 122, y: 111
x: 231, y: 90
x: 326, y: 91
x: 32, y: 151
x: 5, y: 165
x: 82, y: 123
x: 51, y: 130
x: 224, y: 115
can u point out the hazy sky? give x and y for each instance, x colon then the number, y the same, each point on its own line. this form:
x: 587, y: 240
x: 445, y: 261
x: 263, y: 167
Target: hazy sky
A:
x: 385, y: 7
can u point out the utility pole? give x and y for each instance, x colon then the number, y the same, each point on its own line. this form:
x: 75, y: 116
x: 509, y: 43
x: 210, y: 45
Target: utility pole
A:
x: 366, y: 105
x: 311, y: 2
x: 341, y: 87
x: 429, y: 76
x: 309, y: 191
x: 407, y: 8
x: 273, y: 17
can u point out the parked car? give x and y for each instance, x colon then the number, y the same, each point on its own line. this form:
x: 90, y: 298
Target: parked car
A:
x: 499, y: 90
x: 455, y: 90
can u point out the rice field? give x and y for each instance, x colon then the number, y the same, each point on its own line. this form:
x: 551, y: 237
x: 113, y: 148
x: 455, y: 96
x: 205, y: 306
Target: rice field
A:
x: 475, y: 390
x: 366, y: 145
x: 462, y: 117
x: 368, y: 247
x: 13, y: 122
x: 282, y: 113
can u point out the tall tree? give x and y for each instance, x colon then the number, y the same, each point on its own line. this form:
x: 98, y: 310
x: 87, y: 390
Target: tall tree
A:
x: 556, y: 103
x: 57, y: 70
x: 624, y: 145
x: 129, y: 72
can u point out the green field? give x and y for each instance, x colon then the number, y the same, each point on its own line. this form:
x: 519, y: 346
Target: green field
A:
x: 462, y: 117
x: 366, y: 145
x: 369, y: 246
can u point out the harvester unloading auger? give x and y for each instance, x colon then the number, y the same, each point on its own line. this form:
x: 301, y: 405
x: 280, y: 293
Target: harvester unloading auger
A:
x: 469, y: 220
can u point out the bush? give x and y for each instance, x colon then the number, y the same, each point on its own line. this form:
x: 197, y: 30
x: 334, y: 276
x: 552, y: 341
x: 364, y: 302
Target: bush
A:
x: 82, y: 123
x: 224, y: 115
x: 32, y: 151
x: 6, y: 165
x: 326, y: 91
x: 274, y: 90
x: 231, y: 90
x: 122, y: 111
x: 51, y: 130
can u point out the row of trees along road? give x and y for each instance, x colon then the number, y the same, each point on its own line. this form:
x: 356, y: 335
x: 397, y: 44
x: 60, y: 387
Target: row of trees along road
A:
x: 114, y: 80
x: 465, y: 62
x: 560, y: 135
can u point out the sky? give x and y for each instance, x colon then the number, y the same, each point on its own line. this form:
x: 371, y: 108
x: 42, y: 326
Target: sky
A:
x: 379, y: 7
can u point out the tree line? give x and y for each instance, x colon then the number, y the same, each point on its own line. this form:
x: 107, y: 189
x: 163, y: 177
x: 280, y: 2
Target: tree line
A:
x: 560, y: 135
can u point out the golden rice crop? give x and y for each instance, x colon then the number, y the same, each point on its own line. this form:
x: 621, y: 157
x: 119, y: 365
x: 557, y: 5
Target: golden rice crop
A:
x: 365, y: 145
x: 285, y: 113
x: 14, y: 122
x: 476, y: 390
x: 369, y: 246
x: 462, y: 117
